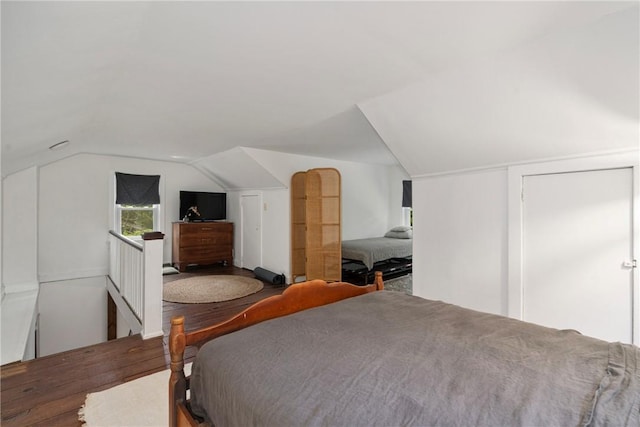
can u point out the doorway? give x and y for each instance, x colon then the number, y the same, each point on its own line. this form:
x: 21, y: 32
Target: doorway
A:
x: 577, y: 230
x: 251, y: 231
x: 572, y: 240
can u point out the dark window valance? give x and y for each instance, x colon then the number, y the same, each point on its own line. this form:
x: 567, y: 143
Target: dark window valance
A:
x: 406, y: 194
x: 137, y: 189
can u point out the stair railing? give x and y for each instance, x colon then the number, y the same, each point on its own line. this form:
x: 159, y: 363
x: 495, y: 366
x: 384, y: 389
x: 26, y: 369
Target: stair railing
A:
x: 135, y: 281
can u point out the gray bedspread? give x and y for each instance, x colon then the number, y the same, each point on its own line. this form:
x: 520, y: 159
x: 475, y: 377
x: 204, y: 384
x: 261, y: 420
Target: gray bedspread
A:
x: 375, y: 249
x: 391, y: 359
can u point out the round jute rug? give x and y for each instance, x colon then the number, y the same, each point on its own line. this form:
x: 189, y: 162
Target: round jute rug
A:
x: 213, y: 288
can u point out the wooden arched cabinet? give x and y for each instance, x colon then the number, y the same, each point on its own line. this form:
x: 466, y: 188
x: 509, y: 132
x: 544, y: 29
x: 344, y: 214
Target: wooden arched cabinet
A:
x: 316, y: 234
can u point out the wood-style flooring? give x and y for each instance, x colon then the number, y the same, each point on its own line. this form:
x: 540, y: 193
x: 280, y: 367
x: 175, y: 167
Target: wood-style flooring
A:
x: 49, y: 391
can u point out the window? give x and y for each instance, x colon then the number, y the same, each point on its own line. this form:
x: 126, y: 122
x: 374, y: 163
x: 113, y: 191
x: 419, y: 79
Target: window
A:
x: 407, y: 216
x: 137, y: 204
x: 407, y: 203
x: 137, y: 220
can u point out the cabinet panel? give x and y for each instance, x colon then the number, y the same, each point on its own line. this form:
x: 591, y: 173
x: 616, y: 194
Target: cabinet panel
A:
x: 316, y: 243
x: 298, y: 225
x: 202, y: 254
x: 205, y: 239
x: 198, y: 229
x: 202, y: 243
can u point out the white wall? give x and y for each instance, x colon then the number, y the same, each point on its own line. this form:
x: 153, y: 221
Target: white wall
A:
x: 460, y: 239
x: 73, y: 314
x: 275, y: 228
x: 371, y: 194
x: 76, y: 210
x: 20, y: 231
x: 122, y: 327
x: 274, y: 223
x: 74, y: 207
x: 19, y: 265
x: 463, y: 226
x: 2, y: 286
x: 74, y: 201
x: 371, y: 202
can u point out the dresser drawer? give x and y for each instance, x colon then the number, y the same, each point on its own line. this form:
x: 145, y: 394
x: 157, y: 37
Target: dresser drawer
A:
x: 208, y: 238
x: 195, y: 254
x: 201, y: 229
x: 202, y: 243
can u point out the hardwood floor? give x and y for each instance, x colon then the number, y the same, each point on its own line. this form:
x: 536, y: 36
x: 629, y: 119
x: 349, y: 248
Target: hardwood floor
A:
x: 49, y: 391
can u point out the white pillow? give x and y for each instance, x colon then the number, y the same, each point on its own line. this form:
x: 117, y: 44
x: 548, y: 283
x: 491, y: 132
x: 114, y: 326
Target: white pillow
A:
x: 401, y: 228
x: 407, y: 234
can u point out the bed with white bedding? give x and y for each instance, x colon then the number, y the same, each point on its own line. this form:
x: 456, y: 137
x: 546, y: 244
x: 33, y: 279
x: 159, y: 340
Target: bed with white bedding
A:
x: 391, y: 254
x: 386, y: 358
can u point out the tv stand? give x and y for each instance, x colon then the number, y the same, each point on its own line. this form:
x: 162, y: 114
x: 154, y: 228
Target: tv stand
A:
x: 202, y: 243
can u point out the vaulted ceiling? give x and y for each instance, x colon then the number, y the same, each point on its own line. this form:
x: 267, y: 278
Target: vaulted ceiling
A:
x: 434, y: 86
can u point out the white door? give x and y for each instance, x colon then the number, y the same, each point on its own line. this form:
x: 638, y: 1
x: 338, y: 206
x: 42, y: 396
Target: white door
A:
x: 251, y: 232
x: 577, y: 246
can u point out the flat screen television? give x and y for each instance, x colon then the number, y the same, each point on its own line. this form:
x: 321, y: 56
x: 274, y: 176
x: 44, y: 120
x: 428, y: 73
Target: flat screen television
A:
x: 211, y: 206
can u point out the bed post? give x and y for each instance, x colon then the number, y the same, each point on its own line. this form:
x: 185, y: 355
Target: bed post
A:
x: 378, y: 281
x: 177, y: 381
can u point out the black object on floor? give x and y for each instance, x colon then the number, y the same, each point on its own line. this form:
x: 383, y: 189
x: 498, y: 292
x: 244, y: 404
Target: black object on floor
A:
x: 269, y: 276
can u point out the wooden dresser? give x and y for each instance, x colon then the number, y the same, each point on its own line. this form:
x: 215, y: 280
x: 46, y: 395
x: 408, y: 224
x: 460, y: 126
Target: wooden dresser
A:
x: 202, y: 243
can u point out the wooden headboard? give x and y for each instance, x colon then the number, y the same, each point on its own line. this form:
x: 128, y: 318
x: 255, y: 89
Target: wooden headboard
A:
x: 297, y: 297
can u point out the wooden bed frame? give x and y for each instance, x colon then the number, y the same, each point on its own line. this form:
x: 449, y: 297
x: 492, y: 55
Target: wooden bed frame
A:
x: 297, y: 297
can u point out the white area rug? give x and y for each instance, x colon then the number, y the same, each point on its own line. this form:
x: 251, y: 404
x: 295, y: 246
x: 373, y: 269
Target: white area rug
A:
x: 137, y: 403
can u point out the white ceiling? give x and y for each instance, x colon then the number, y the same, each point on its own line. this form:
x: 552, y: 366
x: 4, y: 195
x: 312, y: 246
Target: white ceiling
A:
x: 183, y: 81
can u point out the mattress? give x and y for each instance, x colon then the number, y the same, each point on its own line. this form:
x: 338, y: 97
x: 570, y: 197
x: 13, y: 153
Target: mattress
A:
x: 375, y: 249
x: 387, y: 358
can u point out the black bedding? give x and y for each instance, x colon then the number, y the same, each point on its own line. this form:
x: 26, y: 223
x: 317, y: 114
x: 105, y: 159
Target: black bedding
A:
x: 390, y: 359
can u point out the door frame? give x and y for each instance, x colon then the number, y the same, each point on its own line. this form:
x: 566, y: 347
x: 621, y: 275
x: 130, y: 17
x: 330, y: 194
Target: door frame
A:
x: 515, y: 180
